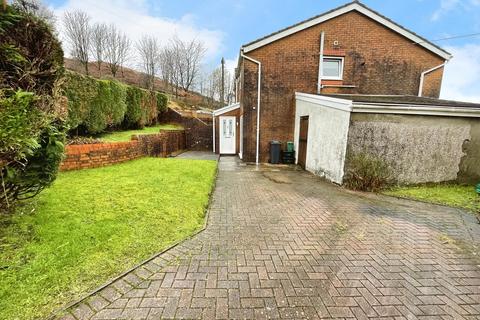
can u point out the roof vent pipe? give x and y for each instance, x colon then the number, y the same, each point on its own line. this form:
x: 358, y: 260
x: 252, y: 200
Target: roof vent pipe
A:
x: 259, y: 84
x: 320, y: 63
x: 422, y: 77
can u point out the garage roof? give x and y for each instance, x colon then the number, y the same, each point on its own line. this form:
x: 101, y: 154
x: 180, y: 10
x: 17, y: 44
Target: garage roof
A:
x: 404, y: 100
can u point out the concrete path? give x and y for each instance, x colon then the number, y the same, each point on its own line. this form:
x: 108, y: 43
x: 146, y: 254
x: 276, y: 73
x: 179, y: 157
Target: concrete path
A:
x: 198, y: 155
x: 284, y: 244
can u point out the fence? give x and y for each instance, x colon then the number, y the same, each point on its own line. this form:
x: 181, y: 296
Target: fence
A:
x: 198, y: 129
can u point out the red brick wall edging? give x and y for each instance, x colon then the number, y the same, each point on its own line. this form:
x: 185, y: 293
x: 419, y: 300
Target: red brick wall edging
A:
x: 87, y: 156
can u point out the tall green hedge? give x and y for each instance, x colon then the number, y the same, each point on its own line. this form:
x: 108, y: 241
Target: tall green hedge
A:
x: 95, y: 105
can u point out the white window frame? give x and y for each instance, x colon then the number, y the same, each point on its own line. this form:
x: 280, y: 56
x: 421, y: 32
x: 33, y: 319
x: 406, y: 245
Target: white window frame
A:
x: 342, y: 61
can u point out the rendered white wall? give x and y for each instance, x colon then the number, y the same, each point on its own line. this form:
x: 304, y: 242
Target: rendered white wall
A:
x: 329, y: 121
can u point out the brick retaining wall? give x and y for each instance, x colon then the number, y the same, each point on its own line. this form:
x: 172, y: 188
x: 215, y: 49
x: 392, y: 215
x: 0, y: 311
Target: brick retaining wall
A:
x: 198, y: 130
x: 86, y: 156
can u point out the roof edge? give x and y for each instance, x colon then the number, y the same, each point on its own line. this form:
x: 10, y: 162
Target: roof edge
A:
x: 352, y: 6
x: 360, y: 107
x: 226, y: 109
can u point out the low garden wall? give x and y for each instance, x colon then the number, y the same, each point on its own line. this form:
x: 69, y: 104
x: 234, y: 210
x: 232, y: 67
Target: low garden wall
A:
x: 85, y: 156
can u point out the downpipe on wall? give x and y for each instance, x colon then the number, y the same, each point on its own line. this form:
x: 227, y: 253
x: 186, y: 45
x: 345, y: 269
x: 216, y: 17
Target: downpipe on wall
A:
x: 259, y: 83
x: 320, y: 63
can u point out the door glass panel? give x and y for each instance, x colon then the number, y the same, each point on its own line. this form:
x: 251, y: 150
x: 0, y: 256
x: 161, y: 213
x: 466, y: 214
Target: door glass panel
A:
x: 230, y: 128
x: 224, y: 127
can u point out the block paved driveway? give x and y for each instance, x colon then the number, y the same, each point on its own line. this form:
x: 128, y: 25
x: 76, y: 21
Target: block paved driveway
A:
x: 284, y: 244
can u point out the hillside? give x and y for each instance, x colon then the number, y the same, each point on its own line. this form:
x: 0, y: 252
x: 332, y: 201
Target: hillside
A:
x: 185, y: 101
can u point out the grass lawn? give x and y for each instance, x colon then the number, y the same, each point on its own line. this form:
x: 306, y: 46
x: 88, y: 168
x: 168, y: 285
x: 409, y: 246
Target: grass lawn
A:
x: 92, y: 225
x: 460, y: 196
x: 120, y: 136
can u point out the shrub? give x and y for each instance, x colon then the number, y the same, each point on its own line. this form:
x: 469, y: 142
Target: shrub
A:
x: 366, y: 172
x: 97, y: 119
x: 119, y: 103
x: 81, y: 91
x: 32, y: 110
x: 149, y: 108
x: 133, y: 115
x: 31, y: 58
x: 32, y: 148
x: 162, y: 102
x: 95, y: 105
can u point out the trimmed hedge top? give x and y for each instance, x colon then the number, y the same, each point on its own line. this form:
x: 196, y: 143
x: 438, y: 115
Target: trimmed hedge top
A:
x: 95, y: 105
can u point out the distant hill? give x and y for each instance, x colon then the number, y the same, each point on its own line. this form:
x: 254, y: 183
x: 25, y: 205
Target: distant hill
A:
x: 186, y: 100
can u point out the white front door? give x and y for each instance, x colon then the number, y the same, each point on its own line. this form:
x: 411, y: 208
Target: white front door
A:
x: 227, y: 135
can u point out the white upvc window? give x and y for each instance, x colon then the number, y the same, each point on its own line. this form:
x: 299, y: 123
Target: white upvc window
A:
x: 332, y: 68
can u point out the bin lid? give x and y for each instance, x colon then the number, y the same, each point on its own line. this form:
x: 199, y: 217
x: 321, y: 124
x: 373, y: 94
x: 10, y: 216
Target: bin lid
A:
x: 275, y: 142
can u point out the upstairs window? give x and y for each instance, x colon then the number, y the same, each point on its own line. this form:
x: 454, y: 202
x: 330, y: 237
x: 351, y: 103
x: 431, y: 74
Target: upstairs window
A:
x: 332, y: 68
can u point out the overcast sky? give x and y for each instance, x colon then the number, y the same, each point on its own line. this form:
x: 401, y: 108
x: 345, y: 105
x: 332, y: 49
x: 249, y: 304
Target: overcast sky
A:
x: 224, y: 25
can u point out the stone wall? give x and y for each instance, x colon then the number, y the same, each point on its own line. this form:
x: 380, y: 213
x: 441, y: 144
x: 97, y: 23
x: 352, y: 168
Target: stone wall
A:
x: 419, y: 149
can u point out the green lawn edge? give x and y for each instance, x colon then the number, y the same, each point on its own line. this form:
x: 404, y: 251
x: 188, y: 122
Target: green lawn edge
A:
x: 15, y: 305
x: 451, y: 195
x: 122, y: 136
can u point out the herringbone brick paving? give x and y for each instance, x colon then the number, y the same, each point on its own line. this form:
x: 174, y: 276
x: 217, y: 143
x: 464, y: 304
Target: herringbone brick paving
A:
x: 284, y: 244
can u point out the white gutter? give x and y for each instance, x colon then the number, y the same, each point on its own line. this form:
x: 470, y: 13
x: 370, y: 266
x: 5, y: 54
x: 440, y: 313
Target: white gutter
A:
x: 259, y: 83
x: 320, y: 63
x: 422, y: 77
x: 214, y: 133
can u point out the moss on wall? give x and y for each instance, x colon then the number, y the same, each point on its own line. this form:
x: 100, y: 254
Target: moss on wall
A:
x: 419, y: 149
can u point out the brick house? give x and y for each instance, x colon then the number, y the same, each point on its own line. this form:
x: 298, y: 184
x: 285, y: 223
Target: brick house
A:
x: 351, y: 50
x: 373, y: 54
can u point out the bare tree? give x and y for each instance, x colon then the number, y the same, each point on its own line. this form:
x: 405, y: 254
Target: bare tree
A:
x: 188, y: 57
x: 117, y: 49
x: 99, y: 37
x: 229, y: 80
x: 77, y: 31
x: 149, y: 54
x: 168, y: 66
x: 213, y: 86
x: 36, y: 8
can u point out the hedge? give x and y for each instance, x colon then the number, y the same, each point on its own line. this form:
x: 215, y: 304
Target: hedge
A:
x: 32, y: 112
x: 95, y: 105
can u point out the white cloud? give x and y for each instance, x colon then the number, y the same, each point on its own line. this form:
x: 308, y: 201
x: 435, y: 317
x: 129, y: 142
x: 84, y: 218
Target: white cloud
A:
x: 448, y: 5
x: 462, y: 74
x: 133, y: 17
x: 445, y: 6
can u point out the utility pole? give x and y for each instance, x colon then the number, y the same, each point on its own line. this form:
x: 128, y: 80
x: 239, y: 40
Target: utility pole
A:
x: 4, y: 2
x: 222, y: 89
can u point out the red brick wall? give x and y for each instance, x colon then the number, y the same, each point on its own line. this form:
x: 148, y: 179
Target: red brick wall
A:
x: 99, y: 155
x: 163, y: 144
x: 377, y: 61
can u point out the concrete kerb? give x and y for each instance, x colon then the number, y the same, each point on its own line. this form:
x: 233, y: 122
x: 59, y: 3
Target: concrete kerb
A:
x: 62, y: 310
